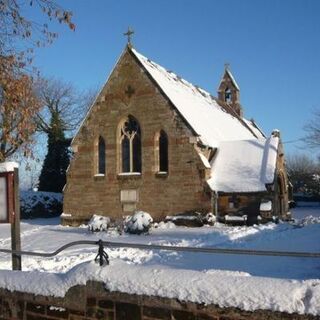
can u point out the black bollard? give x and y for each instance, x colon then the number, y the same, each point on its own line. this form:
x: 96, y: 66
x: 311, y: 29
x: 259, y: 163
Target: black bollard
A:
x: 102, y: 256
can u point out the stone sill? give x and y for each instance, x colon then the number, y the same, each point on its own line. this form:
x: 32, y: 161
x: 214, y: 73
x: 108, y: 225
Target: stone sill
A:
x: 99, y: 177
x: 161, y: 174
x: 129, y: 175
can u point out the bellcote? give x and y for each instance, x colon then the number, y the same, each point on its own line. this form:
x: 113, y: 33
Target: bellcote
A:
x: 229, y: 91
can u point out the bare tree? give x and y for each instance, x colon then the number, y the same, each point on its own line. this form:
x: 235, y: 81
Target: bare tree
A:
x: 20, y: 33
x: 303, y: 172
x: 62, y: 103
x: 312, y: 129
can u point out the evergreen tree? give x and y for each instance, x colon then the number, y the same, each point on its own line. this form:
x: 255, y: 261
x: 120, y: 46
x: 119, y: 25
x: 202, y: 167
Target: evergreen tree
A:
x: 53, y: 173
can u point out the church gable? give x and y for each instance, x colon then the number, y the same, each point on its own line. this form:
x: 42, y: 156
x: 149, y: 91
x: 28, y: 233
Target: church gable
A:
x: 133, y: 139
x: 207, y: 117
x: 128, y: 84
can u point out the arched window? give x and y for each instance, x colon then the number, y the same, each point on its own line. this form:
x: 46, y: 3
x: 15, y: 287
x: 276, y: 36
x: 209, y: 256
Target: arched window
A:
x: 101, y: 156
x: 228, y: 96
x: 130, y: 140
x: 163, y: 152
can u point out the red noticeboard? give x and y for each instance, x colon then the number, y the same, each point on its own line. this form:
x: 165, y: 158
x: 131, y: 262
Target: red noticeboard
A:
x: 6, y: 197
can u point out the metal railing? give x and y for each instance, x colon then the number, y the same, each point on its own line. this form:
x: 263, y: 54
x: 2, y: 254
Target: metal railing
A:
x: 103, y: 258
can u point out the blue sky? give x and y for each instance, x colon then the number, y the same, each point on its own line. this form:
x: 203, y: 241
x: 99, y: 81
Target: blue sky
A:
x: 273, y: 47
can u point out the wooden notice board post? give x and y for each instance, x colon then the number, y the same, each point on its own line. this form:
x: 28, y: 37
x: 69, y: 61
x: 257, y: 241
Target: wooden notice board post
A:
x: 10, y: 206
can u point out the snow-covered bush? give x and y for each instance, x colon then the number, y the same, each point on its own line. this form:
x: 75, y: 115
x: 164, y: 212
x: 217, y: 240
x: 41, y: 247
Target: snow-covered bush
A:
x: 209, y: 218
x: 98, y: 223
x: 39, y: 204
x: 140, y: 222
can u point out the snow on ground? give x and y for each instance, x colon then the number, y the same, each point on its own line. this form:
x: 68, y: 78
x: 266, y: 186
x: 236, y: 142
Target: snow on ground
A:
x: 237, y: 280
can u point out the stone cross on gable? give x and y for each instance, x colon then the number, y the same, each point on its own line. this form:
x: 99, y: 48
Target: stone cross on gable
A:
x: 129, y: 33
x: 227, y: 66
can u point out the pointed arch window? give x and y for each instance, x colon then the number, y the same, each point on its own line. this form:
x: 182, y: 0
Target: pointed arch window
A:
x: 101, y: 156
x: 163, y: 151
x: 130, y: 141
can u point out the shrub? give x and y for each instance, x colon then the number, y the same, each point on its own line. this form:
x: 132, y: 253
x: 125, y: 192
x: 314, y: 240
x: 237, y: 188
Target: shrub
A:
x: 140, y: 222
x: 36, y: 204
x: 209, y: 218
x: 98, y: 223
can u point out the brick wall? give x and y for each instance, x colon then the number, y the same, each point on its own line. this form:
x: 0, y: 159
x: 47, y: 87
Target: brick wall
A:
x: 93, y: 302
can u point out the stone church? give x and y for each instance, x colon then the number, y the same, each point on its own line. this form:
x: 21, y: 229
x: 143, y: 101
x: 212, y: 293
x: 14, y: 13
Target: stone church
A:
x: 152, y: 141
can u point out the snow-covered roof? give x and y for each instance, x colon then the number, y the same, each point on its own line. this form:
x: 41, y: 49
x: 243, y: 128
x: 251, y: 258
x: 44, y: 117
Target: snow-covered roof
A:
x: 244, y: 166
x: 228, y: 72
x: 253, y: 126
x: 206, y: 117
x: 232, y: 79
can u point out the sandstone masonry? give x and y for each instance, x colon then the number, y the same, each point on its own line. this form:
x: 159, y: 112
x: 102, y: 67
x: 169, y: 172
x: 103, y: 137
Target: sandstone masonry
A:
x: 180, y: 190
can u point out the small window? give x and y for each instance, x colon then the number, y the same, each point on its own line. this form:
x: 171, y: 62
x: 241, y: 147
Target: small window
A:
x: 234, y: 202
x: 101, y: 156
x: 163, y: 152
x: 228, y: 96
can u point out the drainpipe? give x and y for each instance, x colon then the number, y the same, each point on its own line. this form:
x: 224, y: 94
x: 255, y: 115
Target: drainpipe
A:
x: 215, y: 204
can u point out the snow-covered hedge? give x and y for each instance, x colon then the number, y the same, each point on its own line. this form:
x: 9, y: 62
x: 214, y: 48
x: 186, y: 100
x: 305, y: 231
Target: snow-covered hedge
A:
x: 140, y: 222
x: 98, y: 223
x: 38, y: 204
x: 192, y: 219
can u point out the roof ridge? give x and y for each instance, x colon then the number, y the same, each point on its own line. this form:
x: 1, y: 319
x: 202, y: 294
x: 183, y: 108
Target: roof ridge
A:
x: 200, y: 110
x: 171, y: 72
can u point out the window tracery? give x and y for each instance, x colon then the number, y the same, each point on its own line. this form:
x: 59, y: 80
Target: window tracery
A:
x: 130, y: 140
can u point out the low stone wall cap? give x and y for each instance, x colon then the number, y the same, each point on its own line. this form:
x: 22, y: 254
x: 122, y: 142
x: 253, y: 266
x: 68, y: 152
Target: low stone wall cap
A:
x: 8, y: 166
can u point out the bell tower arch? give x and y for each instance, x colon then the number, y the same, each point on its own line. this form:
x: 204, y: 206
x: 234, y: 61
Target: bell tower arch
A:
x: 229, y: 91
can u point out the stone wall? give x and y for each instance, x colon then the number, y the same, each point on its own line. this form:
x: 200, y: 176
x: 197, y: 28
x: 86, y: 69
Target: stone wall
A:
x: 181, y: 190
x: 93, y: 302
